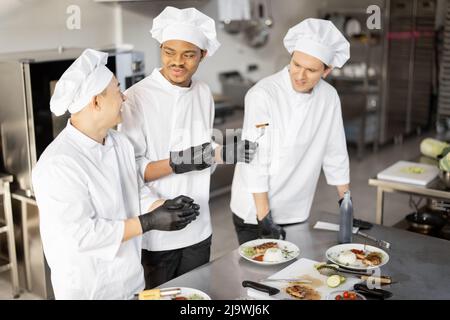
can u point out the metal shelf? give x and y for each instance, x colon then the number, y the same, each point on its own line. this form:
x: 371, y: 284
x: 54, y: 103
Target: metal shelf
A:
x: 3, y: 227
x: 358, y: 93
x: 4, y: 265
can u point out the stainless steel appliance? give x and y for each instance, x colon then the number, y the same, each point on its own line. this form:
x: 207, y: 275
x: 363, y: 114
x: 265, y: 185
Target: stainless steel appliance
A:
x: 27, y: 127
x: 408, y: 68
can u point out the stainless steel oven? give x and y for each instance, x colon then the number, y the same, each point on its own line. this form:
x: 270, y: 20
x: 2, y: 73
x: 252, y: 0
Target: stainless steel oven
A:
x: 27, y: 127
x: 26, y: 82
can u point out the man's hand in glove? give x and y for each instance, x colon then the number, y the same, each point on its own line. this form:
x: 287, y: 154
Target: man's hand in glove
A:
x: 269, y: 230
x: 173, y: 215
x: 193, y: 159
x: 241, y: 151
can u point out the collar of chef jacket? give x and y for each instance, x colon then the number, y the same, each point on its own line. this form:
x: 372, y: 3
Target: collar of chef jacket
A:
x: 88, y: 142
x: 157, y: 75
x: 298, y: 97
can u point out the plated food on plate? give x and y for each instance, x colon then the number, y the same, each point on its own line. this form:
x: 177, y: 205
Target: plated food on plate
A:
x: 193, y: 296
x: 353, y: 256
x: 268, y: 251
x: 303, y: 292
x: 357, y: 256
x: 345, y: 295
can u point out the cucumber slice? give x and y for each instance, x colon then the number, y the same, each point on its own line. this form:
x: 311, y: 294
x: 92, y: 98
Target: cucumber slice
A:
x: 334, y: 281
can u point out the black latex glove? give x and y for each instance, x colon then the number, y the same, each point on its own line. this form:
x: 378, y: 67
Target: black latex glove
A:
x: 241, y: 151
x: 174, y: 214
x: 193, y: 159
x: 269, y: 229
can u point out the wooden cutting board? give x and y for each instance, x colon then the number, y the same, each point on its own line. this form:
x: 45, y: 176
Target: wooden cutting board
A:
x: 302, y: 269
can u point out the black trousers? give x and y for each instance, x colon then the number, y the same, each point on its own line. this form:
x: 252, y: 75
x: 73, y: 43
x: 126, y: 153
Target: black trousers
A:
x: 245, y: 232
x: 248, y: 232
x: 163, y: 266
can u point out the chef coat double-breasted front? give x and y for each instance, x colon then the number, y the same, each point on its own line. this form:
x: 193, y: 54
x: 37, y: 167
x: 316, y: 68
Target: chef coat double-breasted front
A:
x: 85, y: 191
x: 158, y: 118
x: 305, y: 134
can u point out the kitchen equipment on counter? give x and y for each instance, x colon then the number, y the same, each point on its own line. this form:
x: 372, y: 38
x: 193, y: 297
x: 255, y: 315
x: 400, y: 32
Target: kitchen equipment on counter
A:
x: 332, y: 269
x: 301, y: 269
x: 27, y: 127
x: 173, y: 294
x: 357, y: 225
x: 372, y: 293
x: 381, y: 243
x: 426, y: 221
x: 156, y: 294
x: 445, y: 178
x: 410, y: 172
x: 271, y: 291
x: 320, y: 225
x: 439, y: 205
x: 286, y: 280
x: 362, y: 225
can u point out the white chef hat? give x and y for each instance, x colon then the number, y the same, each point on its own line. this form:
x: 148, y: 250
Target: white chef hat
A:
x: 321, y: 39
x: 188, y: 25
x: 86, y: 77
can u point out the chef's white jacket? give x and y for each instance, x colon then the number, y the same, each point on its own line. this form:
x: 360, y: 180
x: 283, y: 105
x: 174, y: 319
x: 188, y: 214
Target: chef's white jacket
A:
x: 85, y: 191
x: 159, y: 117
x: 305, y: 134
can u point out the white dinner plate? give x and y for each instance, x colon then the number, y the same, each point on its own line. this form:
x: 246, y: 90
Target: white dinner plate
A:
x: 188, y: 293
x: 333, y: 253
x: 289, y: 251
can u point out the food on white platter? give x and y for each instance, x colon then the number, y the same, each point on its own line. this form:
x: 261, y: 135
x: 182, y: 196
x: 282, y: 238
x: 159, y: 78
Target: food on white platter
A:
x: 273, y: 255
x: 347, y: 257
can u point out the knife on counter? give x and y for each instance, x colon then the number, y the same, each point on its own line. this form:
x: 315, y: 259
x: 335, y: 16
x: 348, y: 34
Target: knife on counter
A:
x: 271, y: 291
x: 261, y: 291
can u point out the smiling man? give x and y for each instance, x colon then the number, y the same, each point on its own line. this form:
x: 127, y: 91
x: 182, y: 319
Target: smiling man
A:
x: 169, y: 119
x: 305, y: 133
x: 89, y: 194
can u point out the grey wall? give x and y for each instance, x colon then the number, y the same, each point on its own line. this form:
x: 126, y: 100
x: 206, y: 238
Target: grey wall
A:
x: 41, y: 24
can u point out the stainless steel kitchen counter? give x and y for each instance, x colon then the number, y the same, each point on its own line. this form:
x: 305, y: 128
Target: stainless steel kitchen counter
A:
x: 420, y: 264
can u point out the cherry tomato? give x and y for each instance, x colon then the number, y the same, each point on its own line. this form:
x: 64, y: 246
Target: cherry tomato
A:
x: 338, y: 297
x: 346, y: 295
x: 352, y: 296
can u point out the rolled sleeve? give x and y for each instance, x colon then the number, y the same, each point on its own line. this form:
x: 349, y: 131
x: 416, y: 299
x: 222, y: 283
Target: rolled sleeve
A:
x: 336, y: 164
x: 64, y: 203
